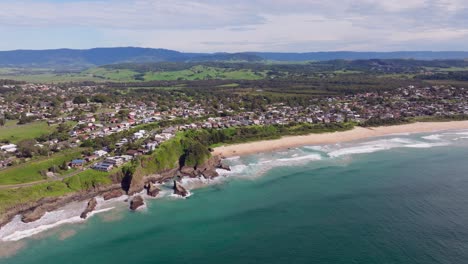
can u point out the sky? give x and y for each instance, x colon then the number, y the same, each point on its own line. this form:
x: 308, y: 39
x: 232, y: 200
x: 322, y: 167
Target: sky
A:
x: 236, y: 25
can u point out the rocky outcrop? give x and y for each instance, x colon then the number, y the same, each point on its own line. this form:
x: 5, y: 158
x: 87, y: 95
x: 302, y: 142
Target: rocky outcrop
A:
x: 112, y: 194
x: 33, y: 215
x: 137, y: 183
x: 207, y: 170
x: 189, y: 172
x: 89, y: 208
x: 152, y: 190
x: 224, y: 167
x: 136, y: 202
x: 33, y: 211
x: 179, y: 189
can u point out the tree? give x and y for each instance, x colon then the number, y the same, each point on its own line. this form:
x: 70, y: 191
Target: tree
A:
x: 27, y: 148
x: 64, y: 165
x: 80, y: 99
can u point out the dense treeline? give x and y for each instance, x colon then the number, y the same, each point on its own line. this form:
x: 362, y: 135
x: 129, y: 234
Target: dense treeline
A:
x: 210, y: 137
x: 456, y: 75
x: 377, y: 121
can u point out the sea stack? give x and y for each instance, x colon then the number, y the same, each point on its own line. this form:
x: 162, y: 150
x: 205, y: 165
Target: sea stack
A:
x: 89, y: 208
x: 136, y: 202
x: 152, y: 190
x: 179, y: 189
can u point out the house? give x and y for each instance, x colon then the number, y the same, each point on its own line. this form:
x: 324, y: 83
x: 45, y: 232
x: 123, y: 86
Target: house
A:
x: 133, y: 153
x: 100, y: 153
x: 116, y: 161
x: 92, y: 158
x: 78, y: 163
x: 106, y: 167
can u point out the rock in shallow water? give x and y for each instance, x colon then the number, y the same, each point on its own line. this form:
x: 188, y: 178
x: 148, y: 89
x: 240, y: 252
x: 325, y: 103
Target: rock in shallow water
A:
x: 112, y: 194
x: 91, y: 206
x: 33, y: 215
x: 152, y: 190
x: 136, y: 202
x: 179, y: 189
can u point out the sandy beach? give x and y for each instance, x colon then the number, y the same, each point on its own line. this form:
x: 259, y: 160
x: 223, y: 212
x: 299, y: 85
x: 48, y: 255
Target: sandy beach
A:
x: 331, y: 138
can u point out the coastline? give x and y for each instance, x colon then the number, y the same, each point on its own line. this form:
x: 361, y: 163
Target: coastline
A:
x: 34, y: 211
x: 356, y: 133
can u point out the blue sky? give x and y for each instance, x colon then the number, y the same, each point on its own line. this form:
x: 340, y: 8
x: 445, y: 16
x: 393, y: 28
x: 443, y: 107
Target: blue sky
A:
x: 232, y: 26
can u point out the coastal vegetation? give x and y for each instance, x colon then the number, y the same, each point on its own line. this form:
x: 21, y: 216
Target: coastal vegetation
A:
x: 34, y: 170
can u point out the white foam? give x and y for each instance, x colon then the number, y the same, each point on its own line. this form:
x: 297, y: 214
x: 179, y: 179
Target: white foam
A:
x: 433, y: 137
x: 180, y: 196
x: 355, y: 150
x: 310, y: 157
x: 21, y: 234
x: 316, y: 148
x: 384, y: 144
x: 426, y: 145
x: 70, y: 213
x: 233, y: 158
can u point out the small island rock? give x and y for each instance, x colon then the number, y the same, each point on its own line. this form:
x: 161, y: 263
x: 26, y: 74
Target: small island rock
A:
x: 89, y: 208
x: 136, y: 202
x: 179, y: 189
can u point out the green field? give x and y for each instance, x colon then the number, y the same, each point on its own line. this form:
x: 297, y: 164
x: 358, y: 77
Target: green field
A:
x: 204, y: 73
x: 31, y: 171
x: 14, y: 133
x: 82, y: 181
x: 24, y: 195
x: 125, y: 75
x: 88, y: 179
x: 103, y: 74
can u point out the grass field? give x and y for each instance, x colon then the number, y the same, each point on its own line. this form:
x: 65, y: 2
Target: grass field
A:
x: 14, y: 133
x: 30, y: 171
x: 12, y: 197
x: 82, y: 181
x: 88, y: 179
x: 104, y: 74
x: 204, y: 73
x: 126, y: 75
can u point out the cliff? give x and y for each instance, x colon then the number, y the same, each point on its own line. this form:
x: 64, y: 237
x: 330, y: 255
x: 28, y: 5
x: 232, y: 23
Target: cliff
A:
x: 33, y: 211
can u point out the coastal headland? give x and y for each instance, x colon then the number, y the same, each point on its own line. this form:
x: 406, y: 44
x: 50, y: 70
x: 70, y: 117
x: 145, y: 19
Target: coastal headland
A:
x: 140, y: 181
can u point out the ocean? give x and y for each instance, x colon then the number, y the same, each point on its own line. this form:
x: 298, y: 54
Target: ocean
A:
x: 396, y: 199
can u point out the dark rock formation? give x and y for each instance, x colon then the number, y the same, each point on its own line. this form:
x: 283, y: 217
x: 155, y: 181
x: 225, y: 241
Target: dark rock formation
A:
x: 179, y: 189
x: 189, y: 172
x: 152, y: 190
x: 33, y: 215
x: 136, y: 202
x: 33, y: 211
x: 224, y: 167
x: 207, y: 170
x: 89, y: 208
x: 112, y: 194
x: 138, y: 182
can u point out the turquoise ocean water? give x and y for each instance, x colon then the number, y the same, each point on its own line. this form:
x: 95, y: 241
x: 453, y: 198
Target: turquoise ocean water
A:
x: 399, y: 199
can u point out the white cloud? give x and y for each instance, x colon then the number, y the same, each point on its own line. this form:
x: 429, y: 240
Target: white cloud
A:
x: 222, y: 25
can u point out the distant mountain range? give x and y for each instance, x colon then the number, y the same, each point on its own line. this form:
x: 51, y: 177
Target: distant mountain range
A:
x: 103, y: 56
